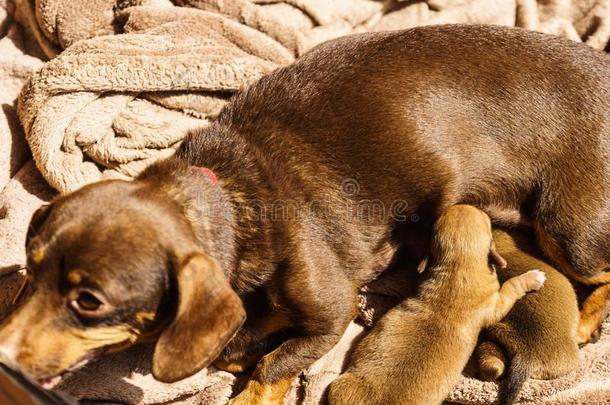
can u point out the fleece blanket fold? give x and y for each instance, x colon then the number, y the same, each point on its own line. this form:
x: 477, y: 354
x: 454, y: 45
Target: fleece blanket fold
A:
x: 16, y: 65
x: 116, y: 103
x: 110, y: 104
x: 124, y: 80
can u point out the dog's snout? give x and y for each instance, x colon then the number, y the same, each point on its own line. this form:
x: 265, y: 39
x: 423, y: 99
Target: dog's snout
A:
x: 12, y: 334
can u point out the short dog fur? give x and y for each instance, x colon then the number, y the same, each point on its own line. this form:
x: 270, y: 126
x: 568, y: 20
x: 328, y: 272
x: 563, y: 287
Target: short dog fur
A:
x: 417, y: 351
x: 539, y: 333
x: 413, y: 122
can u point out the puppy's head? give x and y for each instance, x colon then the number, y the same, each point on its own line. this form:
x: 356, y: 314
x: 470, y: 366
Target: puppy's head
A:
x: 462, y: 235
x: 111, y: 264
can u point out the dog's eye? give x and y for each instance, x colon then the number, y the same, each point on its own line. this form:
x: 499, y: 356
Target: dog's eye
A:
x: 86, y: 302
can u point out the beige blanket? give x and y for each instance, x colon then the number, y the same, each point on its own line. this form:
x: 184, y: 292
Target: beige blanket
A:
x: 111, y: 104
x: 132, y: 80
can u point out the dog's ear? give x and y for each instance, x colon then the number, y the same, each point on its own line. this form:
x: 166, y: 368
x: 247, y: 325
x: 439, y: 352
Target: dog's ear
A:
x: 38, y: 218
x: 495, y: 258
x: 423, y: 265
x: 208, y: 314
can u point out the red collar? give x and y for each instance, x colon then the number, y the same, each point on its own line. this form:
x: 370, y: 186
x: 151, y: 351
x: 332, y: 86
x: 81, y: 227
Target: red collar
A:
x: 209, y: 173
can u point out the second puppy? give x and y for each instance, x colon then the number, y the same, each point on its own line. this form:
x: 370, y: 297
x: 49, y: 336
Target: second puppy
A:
x: 539, y: 333
x: 416, y: 352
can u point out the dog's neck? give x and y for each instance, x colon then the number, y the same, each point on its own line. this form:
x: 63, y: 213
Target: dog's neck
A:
x: 223, y: 203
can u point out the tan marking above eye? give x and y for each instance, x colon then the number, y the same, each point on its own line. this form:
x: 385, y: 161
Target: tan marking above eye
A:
x: 142, y: 317
x: 38, y: 255
x: 75, y: 277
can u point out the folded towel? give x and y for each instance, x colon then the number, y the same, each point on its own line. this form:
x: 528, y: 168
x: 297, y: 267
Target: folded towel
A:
x: 108, y: 106
x: 111, y: 104
x: 587, y: 20
x: 15, y: 68
x: 126, y: 378
x: 23, y: 194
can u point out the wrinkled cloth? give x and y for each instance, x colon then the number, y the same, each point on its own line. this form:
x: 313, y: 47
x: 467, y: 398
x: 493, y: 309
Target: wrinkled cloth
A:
x: 123, y: 82
x: 111, y: 104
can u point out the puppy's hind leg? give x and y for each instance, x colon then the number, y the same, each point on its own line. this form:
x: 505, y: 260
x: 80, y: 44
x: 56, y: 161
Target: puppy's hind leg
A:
x: 349, y: 389
x: 490, y: 360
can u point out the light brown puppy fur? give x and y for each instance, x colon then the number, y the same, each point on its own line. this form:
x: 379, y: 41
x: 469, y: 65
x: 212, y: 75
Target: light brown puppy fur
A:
x: 416, y: 352
x: 539, y: 333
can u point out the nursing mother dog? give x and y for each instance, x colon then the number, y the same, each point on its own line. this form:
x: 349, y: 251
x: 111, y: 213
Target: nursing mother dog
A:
x: 188, y: 255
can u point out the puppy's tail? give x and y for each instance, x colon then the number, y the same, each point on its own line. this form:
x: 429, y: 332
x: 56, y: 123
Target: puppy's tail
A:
x: 517, y: 375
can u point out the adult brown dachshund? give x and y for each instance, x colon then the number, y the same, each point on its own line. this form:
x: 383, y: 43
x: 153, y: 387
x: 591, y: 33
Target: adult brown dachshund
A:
x: 302, y: 190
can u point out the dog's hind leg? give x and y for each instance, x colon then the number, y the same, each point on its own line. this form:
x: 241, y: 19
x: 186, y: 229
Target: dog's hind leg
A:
x: 594, y: 311
x: 596, y: 307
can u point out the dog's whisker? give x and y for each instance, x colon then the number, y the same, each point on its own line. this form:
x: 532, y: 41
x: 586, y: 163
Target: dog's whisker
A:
x: 21, y: 291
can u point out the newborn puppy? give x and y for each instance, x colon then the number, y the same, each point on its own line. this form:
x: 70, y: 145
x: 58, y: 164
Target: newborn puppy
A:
x: 416, y: 352
x: 539, y: 333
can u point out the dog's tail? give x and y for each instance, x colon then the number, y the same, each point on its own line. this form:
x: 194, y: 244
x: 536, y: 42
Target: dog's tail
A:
x: 517, y: 375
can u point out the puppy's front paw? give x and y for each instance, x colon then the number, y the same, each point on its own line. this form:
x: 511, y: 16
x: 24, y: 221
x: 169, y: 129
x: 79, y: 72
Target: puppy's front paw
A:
x: 534, y: 280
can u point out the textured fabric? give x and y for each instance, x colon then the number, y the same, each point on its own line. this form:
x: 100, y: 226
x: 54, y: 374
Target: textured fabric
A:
x: 110, y: 105
x: 135, y: 75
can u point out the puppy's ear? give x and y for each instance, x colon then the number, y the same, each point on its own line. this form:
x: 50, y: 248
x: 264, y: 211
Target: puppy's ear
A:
x: 38, y: 218
x: 423, y: 265
x: 208, y: 314
x: 495, y: 258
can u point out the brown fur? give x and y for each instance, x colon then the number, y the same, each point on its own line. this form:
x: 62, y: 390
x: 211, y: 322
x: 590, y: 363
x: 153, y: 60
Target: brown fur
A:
x: 539, y: 333
x: 417, y: 351
x: 413, y: 122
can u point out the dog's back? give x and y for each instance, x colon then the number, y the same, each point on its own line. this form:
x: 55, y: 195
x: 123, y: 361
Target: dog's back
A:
x: 410, y: 110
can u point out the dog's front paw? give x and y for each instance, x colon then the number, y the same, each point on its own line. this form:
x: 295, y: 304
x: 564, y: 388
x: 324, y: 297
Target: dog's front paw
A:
x: 257, y: 393
x: 534, y: 280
